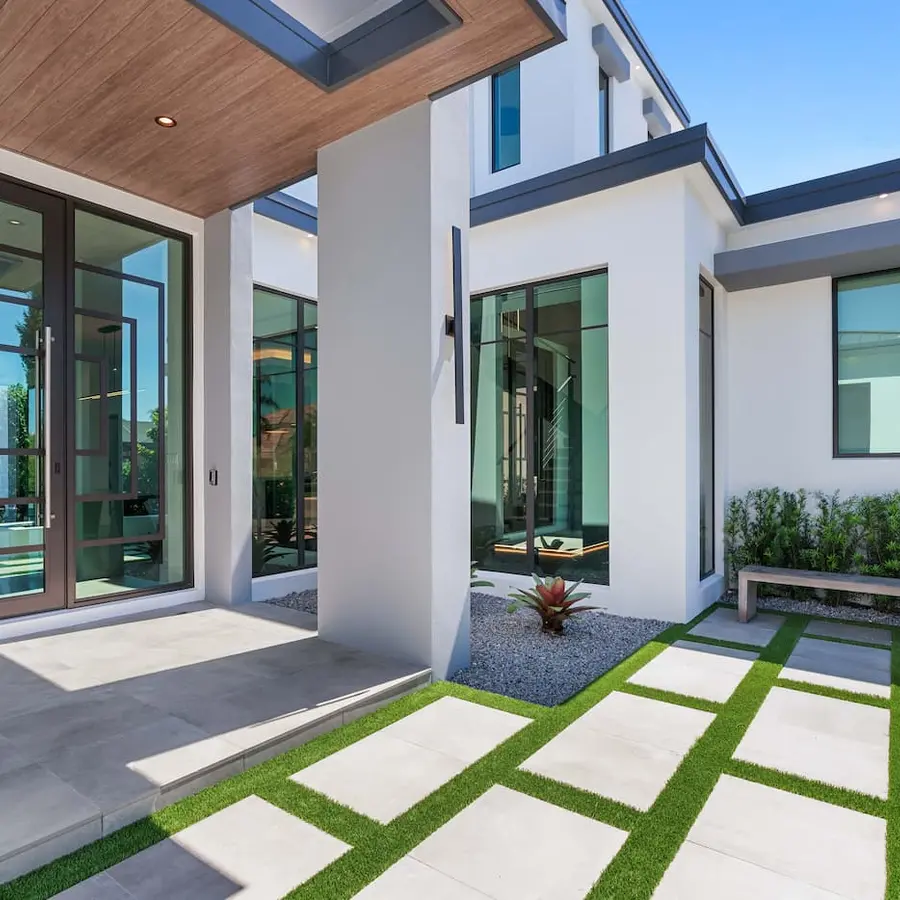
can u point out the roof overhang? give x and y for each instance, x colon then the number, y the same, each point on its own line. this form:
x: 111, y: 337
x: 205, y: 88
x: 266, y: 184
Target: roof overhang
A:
x: 255, y: 93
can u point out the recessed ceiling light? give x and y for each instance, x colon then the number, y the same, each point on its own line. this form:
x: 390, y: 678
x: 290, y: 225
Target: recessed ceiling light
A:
x: 14, y: 222
x: 882, y: 196
x: 165, y: 121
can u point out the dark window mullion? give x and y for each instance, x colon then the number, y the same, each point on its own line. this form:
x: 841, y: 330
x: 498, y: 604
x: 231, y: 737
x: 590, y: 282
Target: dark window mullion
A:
x: 530, y: 498
x: 300, y: 431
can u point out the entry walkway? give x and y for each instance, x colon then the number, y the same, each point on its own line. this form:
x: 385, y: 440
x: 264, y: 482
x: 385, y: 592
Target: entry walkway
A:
x: 718, y: 761
x: 102, y: 725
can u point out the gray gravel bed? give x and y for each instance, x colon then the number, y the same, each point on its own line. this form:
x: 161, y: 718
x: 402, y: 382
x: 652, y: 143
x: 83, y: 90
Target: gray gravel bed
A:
x: 305, y: 601
x: 865, y: 614
x: 513, y: 657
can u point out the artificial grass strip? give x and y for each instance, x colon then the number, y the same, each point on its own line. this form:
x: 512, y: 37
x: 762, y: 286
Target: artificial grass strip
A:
x: 717, y: 642
x: 815, y: 790
x: 640, y: 690
x: 822, y: 690
x: 893, y: 820
x: 840, y: 640
x: 640, y: 865
x: 593, y: 806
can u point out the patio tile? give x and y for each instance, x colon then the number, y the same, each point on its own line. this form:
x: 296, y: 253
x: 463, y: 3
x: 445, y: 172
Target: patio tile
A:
x: 696, y: 670
x: 698, y: 873
x: 861, y: 670
x: 867, y: 634
x: 37, y: 805
x: 411, y: 880
x: 463, y: 730
x: 250, y: 849
x: 625, y: 748
x: 829, y: 847
x: 379, y: 776
x: 488, y: 847
x: 100, y: 887
x: 723, y: 625
x: 820, y: 738
x: 385, y: 774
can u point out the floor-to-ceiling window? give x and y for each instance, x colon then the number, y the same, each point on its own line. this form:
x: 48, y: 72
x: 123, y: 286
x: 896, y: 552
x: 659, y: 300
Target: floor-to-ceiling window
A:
x: 540, y: 434
x: 707, y: 433
x: 285, y: 391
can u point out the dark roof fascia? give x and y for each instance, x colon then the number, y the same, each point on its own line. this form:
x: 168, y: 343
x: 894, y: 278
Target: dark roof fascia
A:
x: 629, y: 29
x: 820, y: 193
x: 665, y: 154
x: 288, y: 210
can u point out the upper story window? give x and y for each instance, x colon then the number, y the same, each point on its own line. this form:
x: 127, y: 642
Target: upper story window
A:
x: 867, y: 365
x: 604, y: 113
x: 506, y: 97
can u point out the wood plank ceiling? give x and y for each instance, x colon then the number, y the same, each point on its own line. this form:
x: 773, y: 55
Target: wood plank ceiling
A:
x: 82, y: 80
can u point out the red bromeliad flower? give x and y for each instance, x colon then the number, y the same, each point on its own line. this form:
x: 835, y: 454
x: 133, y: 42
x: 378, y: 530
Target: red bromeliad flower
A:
x: 552, y: 601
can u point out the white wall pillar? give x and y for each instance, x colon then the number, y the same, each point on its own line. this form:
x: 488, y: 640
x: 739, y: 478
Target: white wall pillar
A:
x: 393, y: 465
x: 228, y: 376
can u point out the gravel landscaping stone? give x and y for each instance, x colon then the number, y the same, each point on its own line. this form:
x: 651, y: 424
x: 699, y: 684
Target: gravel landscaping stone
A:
x: 513, y: 657
x: 865, y: 614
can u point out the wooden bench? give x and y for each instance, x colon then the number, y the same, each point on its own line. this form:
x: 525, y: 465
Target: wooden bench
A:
x: 751, y: 576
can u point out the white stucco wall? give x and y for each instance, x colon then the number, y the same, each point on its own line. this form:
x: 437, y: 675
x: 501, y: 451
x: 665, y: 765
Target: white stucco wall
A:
x: 559, y: 104
x: 779, y: 371
x: 653, y: 367
x: 284, y: 258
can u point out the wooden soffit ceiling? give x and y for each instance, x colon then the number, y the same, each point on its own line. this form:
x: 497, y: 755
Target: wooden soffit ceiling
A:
x: 81, y: 82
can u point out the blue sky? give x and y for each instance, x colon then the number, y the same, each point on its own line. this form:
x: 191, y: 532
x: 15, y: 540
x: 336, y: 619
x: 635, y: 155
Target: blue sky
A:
x: 791, y: 89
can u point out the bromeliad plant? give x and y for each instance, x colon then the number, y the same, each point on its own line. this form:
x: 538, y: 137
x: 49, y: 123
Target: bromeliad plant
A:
x: 552, y: 601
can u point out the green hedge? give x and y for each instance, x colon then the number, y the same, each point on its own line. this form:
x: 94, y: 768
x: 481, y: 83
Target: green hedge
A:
x: 822, y: 532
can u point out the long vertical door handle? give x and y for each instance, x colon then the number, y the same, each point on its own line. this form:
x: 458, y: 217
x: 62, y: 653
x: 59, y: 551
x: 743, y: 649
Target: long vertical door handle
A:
x: 48, y: 463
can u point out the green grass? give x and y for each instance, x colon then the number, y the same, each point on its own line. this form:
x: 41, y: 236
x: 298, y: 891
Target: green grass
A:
x: 654, y: 836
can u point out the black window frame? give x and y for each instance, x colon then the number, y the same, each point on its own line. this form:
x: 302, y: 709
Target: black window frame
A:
x: 835, y: 400
x: 604, y: 87
x: 496, y: 121
x: 711, y: 525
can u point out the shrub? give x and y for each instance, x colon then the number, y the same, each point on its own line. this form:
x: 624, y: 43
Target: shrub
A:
x: 822, y: 532
x: 552, y: 601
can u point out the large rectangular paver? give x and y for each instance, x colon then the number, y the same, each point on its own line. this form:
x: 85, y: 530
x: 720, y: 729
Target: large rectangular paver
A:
x: 722, y: 625
x: 829, y: 847
x: 251, y: 850
x: 411, y: 880
x: 866, y: 634
x: 389, y: 772
x: 848, y: 667
x: 698, y: 873
x: 625, y: 748
x: 822, y: 739
x: 696, y: 670
x: 505, y: 845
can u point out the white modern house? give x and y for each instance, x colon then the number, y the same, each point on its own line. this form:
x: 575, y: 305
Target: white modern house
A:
x: 231, y: 238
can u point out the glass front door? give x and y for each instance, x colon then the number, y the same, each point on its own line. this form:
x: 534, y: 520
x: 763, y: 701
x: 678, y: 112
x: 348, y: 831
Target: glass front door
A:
x: 93, y: 412
x: 32, y: 485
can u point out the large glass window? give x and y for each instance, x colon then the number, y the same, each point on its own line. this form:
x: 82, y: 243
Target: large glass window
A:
x: 707, y: 433
x: 540, y: 434
x: 867, y: 365
x: 603, y: 95
x: 506, y: 119
x: 129, y: 374
x: 285, y: 393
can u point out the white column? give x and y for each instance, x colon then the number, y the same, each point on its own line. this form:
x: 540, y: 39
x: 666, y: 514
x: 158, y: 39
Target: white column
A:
x: 393, y: 465
x: 228, y: 375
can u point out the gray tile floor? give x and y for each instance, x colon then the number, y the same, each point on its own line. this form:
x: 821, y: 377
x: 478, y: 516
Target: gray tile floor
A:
x: 102, y: 724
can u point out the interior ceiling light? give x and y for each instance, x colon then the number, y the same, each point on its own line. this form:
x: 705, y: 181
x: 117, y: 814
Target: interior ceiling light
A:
x: 14, y: 222
x: 882, y: 196
x: 165, y: 121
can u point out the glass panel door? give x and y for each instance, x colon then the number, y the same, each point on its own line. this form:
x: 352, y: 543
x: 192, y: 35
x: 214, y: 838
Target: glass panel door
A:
x: 32, y: 548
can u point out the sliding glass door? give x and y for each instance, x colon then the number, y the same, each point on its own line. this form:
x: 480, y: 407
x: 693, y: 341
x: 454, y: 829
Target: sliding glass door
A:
x: 540, y: 436
x: 94, y: 466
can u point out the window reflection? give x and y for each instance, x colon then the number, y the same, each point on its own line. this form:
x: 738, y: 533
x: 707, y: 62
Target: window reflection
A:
x: 285, y: 376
